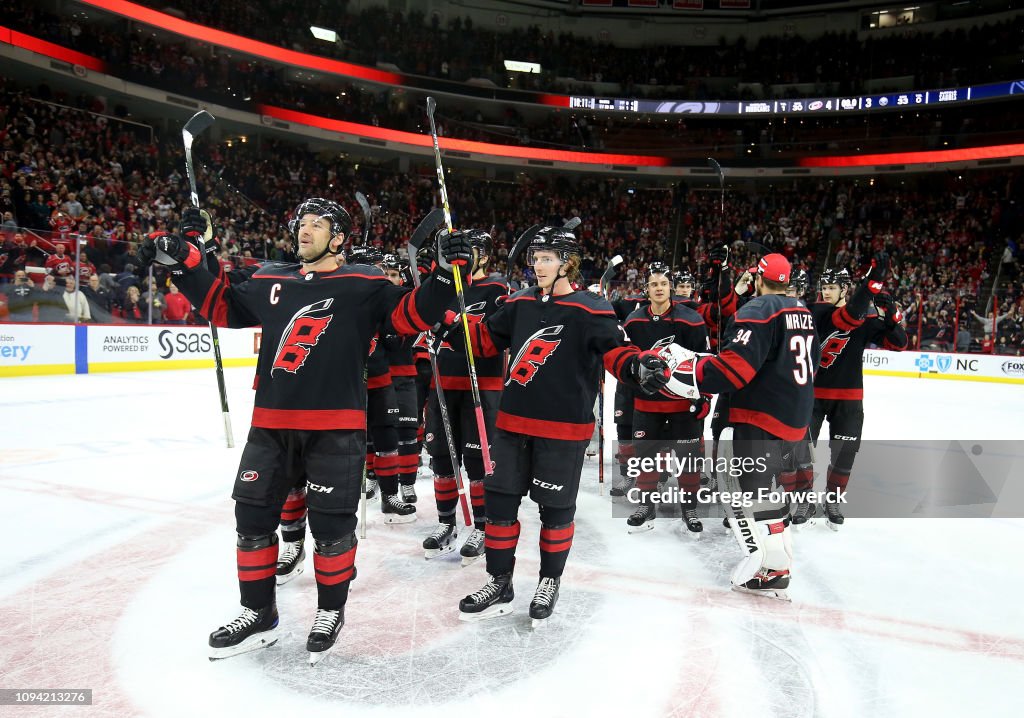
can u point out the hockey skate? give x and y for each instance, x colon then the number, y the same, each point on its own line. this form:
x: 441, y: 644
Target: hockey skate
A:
x: 324, y: 633
x: 620, y: 486
x: 765, y: 570
x: 371, y: 489
x: 770, y: 583
x: 544, y: 600
x: 693, y: 525
x: 290, y: 561
x: 494, y: 599
x: 249, y: 632
x: 408, y: 493
x: 834, y: 515
x: 440, y: 542
x: 642, y: 519
x: 803, y: 514
x: 474, y: 548
x: 396, y: 511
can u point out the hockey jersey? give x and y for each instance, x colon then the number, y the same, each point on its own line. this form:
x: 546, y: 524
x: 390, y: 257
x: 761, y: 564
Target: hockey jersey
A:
x: 482, y: 299
x: 556, y: 348
x: 843, y: 338
x: 767, y: 366
x: 647, y: 330
x: 378, y: 368
x: 400, y: 354
x: 317, y: 330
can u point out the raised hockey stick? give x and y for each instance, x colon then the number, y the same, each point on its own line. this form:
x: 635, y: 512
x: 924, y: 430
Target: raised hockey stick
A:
x: 609, y: 272
x: 721, y: 237
x: 199, y: 123
x: 367, y: 216
x: 474, y: 383
x: 431, y: 222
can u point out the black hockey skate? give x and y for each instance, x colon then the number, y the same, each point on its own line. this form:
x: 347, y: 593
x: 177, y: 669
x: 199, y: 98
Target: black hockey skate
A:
x: 494, y: 599
x: 544, y: 600
x: 249, y: 632
x: 642, y: 519
x: 371, y: 489
x: 804, y: 512
x: 440, y: 542
x: 408, y: 493
x: 834, y: 515
x: 693, y: 525
x: 474, y: 548
x: 397, y: 511
x: 620, y: 486
x: 290, y: 561
x: 324, y: 633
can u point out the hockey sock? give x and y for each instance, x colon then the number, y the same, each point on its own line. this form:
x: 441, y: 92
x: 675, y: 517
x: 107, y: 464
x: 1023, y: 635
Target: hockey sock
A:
x: 293, y: 516
x: 690, y: 484
x: 789, y: 481
x: 625, y: 454
x: 408, y: 461
x: 334, y: 563
x: 555, y: 542
x: 370, y: 460
x: 837, y: 480
x: 386, y: 467
x: 446, y: 494
x: 476, y: 494
x: 805, y: 478
x: 647, y: 482
x: 257, y: 568
x: 500, y: 540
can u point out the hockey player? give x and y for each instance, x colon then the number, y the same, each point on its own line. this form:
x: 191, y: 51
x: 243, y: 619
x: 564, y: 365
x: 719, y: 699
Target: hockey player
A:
x: 767, y: 368
x: 482, y: 299
x: 403, y: 379
x: 846, y: 324
x: 799, y: 283
x: 557, y: 340
x: 661, y: 423
x: 622, y: 415
x: 683, y: 285
x: 310, y: 410
x: 382, y: 415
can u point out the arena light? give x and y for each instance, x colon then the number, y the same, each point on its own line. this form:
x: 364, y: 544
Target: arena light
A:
x: 520, y: 66
x: 913, y: 158
x: 322, y: 33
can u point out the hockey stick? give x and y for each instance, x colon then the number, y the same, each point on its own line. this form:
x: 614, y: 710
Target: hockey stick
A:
x: 367, y: 216
x: 721, y: 237
x: 609, y: 272
x: 474, y: 383
x: 431, y: 222
x: 199, y: 123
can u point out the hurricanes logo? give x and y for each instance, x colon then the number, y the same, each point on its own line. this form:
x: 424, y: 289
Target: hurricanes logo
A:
x: 301, y: 335
x: 373, y: 345
x: 533, y: 354
x: 832, y: 347
x: 474, y: 315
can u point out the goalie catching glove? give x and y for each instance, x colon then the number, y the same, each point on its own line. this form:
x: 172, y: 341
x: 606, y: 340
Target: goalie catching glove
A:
x: 681, y: 379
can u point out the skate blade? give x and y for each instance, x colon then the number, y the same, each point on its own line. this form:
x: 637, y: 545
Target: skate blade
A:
x: 470, y: 560
x: 538, y: 624
x: 429, y: 553
x: 834, y: 527
x: 692, y: 535
x: 499, y: 609
x: 399, y: 519
x: 282, y: 580
x: 316, y: 657
x: 642, y: 528
x: 778, y: 594
x: 253, y: 643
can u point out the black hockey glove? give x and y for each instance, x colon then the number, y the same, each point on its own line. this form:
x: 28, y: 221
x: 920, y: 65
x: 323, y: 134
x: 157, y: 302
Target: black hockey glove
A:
x: 169, y: 250
x: 700, y: 408
x: 649, y: 371
x: 877, y: 273
x: 888, y: 310
x: 719, y: 256
x: 454, y: 250
x: 195, y: 225
x: 425, y: 260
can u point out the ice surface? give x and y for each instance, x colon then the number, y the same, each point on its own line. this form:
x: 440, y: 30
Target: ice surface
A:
x: 119, y: 561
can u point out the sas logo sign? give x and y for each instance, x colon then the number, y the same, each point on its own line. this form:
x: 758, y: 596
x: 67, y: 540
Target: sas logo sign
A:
x: 172, y: 343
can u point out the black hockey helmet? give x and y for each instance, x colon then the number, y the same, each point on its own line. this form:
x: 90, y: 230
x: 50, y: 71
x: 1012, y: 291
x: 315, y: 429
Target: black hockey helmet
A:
x: 364, y: 254
x: 656, y: 268
x: 683, y: 277
x: 799, y: 281
x: 481, y: 240
x: 560, y: 240
x: 391, y: 261
x: 834, y: 275
x: 341, y: 222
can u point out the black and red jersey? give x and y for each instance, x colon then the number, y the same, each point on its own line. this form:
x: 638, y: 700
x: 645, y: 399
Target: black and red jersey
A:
x: 317, y: 331
x: 767, y: 366
x: 843, y: 338
x: 378, y: 368
x: 713, y: 314
x: 627, y: 305
x: 400, y: 354
x: 558, y: 348
x: 482, y: 299
x: 678, y: 325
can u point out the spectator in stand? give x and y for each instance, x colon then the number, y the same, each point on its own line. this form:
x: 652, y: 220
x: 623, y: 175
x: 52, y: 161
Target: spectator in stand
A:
x: 76, y: 302
x: 50, y: 306
x: 127, y: 279
x: 60, y: 263
x: 132, y: 309
x: 990, y: 323
x: 100, y: 300
x: 153, y: 295
x: 178, y: 306
x: 21, y: 298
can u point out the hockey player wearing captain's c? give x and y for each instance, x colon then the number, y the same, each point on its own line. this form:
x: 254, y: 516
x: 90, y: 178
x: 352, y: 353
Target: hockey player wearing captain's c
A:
x: 560, y: 341
x: 318, y: 321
